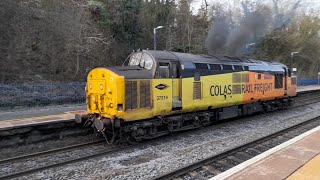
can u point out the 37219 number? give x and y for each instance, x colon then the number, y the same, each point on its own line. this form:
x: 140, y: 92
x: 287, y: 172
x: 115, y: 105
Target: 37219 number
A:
x: 159, y: 98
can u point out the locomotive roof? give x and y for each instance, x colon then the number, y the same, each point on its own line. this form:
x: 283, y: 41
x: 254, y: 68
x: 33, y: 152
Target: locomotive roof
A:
x: 189, y: 61
x: 203, y: 58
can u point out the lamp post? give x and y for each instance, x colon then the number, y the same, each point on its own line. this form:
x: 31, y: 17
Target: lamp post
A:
x: 249, y: 45
x: 318, y: 78
x: 249, y: 48
x: 292, y: 53
x: 155, y: 37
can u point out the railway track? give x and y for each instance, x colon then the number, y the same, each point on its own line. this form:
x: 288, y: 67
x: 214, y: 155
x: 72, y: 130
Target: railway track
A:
x: 48, y: 152
x: 305, y: 100
x: 217, y: 164
x: 60, y: 162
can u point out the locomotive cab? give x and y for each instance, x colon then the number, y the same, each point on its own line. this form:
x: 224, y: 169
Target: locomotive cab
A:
x: 110, y: 91
x: 105, y: 86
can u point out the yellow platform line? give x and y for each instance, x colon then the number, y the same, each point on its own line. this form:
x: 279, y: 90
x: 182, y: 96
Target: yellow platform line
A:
x: 310, y: 170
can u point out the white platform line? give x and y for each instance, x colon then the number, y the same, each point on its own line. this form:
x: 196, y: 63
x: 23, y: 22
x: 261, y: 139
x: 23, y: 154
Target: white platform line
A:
x: 255, y: 159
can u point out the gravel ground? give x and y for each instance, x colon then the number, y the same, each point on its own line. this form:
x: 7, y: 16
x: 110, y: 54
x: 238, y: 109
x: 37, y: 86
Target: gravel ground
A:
x: 42, y: 161
x: 179, y: 149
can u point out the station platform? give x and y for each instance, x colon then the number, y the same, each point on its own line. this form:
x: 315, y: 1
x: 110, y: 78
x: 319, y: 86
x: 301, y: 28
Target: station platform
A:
x: 308, y: 88
x: 38, y: 115
x: 298, y: 158
x: 39, y: 120
x: 39, y: 111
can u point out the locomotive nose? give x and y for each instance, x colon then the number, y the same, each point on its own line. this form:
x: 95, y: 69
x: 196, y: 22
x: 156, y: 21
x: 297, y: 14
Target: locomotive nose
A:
x: 102, y: 91
x: 96, y: 92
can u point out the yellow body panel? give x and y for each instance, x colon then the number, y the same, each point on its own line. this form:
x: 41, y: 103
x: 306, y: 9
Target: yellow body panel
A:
x: 216, y: 91
x: 162, y: 98
x: 176, y: 86
x: 161, y: 101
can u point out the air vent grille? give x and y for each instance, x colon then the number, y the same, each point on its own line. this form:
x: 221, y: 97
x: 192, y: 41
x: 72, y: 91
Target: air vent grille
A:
x: 245, y: 78
x: 196, y: 90
x: 236, y: 78
x: 145, y: 99
x: 236, y: 89
x: 131, y: 95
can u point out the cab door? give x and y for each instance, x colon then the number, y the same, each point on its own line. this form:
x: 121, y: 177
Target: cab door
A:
x: 162, y: 89
x: 285, y: 81
x: 176, y: 85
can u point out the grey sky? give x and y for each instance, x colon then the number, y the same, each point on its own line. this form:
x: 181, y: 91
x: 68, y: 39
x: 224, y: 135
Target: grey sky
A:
x: 306, y: 4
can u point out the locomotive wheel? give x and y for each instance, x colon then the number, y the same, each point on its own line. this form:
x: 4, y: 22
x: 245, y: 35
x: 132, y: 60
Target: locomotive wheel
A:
x: 98, y: 124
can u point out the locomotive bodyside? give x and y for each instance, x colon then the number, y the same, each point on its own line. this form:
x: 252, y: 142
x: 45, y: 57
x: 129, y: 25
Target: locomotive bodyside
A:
x: 157, y: 91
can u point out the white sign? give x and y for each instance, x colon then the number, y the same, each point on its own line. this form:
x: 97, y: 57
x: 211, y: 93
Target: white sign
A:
x: 294, y: 69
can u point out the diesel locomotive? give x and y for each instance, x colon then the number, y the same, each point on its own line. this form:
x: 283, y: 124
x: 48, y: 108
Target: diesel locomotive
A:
x: 157, y: 92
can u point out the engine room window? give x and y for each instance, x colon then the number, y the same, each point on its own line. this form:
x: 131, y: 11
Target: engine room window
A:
x: 227, y: 67
x: 238, y: 68
x: 201, y: 66
x: 215, y: 67
x: 164, y: 70
x: 188, y: 65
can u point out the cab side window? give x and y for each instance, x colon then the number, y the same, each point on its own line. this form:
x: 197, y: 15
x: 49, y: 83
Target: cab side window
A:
x: 289, y: 73
x: 174, y: 70
x: 163, y: 70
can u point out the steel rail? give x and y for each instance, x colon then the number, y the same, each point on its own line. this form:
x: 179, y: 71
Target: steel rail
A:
x: 48, y: 152
x: 305, y: 101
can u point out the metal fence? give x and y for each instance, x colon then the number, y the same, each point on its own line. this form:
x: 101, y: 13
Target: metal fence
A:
x: 307, y: 81
x: 28, y: 95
